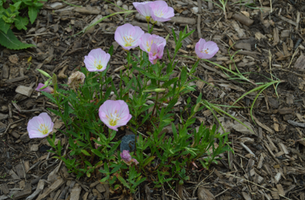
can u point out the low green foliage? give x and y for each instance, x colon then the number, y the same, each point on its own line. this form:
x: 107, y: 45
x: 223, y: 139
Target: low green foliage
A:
x: 10, y: 15
x: 163, y: 158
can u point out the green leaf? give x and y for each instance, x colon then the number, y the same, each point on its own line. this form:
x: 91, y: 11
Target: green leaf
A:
x: 1, y: 3
x: 10, y: 41
x: 85, y: 152
x: 33, y: 12
x: 4, y: 26
x: 21, y: 22
x: 98, y: 153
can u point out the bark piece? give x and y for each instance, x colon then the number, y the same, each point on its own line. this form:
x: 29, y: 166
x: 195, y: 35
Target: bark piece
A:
x: 243, y: 19
x: 88, y: 10
x: 3, y: 116
x: 5, y: 71
x: 100, y: 187
x: 27, y: 190
x: 183, y: 20
x: 20, y: 170
x: 24, y: 90
x: 52, y: 188
x: 39, y: 188
x: 204, y: 194
x: 75, y: 193
x: 4, y: 188
x: 300, y: 63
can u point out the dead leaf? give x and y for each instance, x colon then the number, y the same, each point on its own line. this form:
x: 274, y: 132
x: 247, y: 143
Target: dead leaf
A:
x: 204, y: 194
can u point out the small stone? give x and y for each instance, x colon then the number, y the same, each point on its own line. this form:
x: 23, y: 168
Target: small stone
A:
x: 119, y: 3
x: 34, y: 147
x: 24, y: 90
x: 15, y: 134
x: 125, y: 7
x: 100, y: 188
x: 195, y: 10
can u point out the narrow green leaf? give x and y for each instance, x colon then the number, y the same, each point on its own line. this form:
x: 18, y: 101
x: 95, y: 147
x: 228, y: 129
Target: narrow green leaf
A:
x: 85, y: 152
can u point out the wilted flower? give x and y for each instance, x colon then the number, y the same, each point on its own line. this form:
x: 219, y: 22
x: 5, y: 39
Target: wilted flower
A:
x: 206, y: 50
x: 155, y: 53
x: 144, y: 8
x: 97, y: 60
x: 40, y: 126
x: 161, y: 12
x: 126, y: 157
x: 96, y: 145
x: 128, y: 36
x: 76, y: 78
x: 48, y: 89
x: 114, y: 113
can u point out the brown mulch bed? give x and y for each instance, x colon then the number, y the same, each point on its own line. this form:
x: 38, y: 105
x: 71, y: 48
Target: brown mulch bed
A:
x: 266, y: 165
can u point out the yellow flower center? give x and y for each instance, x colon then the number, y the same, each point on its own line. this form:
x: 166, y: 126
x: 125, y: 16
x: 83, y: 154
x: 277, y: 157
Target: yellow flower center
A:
x: 43, y: 129
x: 128, y: 40
x: 98, y: 64
x: 149, y: 45
x: 113, y: 119
x: 159, y: 13
x: 205, y: 51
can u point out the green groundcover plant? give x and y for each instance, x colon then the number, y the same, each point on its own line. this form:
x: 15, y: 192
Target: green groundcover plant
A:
x: 10, y: 15
x: 142, y: 102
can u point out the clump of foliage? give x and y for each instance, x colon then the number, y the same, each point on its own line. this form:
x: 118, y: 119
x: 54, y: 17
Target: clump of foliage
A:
x: 10, y: 15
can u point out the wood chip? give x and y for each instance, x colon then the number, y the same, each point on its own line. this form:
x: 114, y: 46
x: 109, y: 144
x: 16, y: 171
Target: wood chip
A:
x: 183, y: 20
x: 27, y: 190
x: 75, y: 192
x: 263, y: 125
x: 204, y: 194
x: 243, y: 19
x: 24, y: 90
x: 52, y: 188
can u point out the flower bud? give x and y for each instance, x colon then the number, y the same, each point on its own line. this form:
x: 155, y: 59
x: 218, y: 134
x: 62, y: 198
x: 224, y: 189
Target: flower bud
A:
x: 44, y: 73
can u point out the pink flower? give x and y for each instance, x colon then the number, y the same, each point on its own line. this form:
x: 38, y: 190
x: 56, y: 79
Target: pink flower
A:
x: 76, y: 78
x: 147, y: 40
x: 155, y: 53
x: 144, y: 8
x: 128, y: 36
x: 114, y: 113
x: 40, y: 126
x: 97, y: 60
x: 160, y: 12
x: 206, y: 50
x: 47, y: 89
x: 126, y: 157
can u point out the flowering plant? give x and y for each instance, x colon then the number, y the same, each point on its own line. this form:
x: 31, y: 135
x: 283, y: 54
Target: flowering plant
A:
x: 96, y: 109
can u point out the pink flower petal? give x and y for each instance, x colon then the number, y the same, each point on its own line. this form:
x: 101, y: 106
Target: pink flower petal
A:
x: 114, y: 113
x: 40, y: 126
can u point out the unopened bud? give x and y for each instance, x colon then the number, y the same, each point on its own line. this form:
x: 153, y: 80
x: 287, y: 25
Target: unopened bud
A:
x: 197, y: 107
x: 167, y: 37
x: 44, y: 73
x: 159, y: 90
